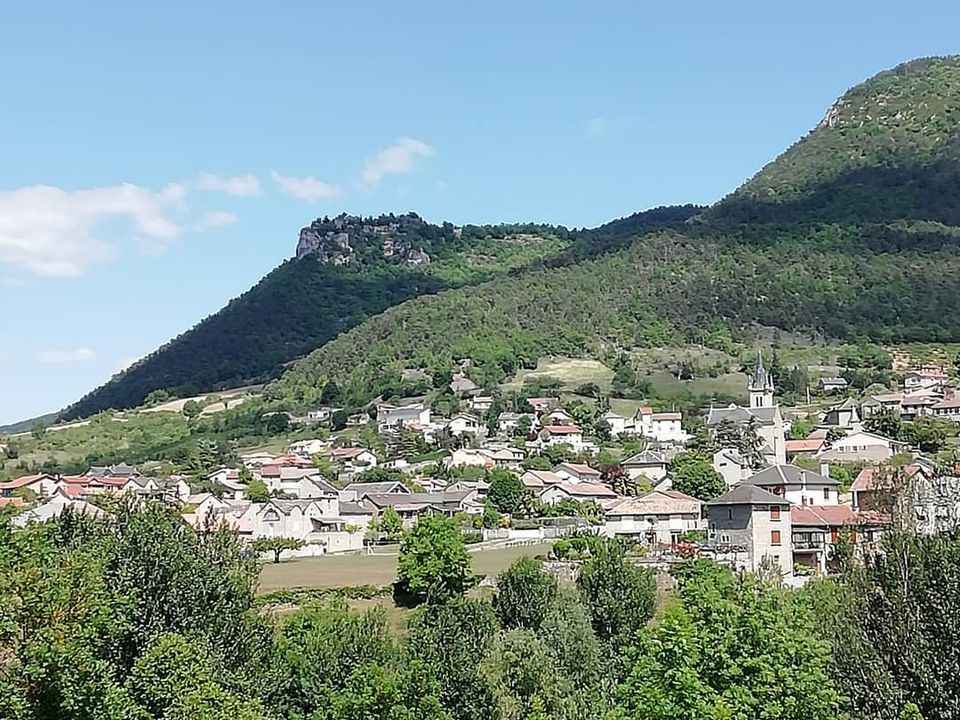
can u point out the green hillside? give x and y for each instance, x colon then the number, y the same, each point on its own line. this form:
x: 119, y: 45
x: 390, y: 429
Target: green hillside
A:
x: 853, y: 233
x: 360, y: 267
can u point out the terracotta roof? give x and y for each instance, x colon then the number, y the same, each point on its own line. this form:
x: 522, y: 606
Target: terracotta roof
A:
x: 347, y: 452
x: 808, y: 445
x: 832, y: 516
x: 953, y: 402
x: 645, y: 410
x: 868, y: 478
x: 668, y: 416
x: 929, y: 373
x: 580, y: 469
x: 12, y: 501
x: 656, y: 502
x: 587, y: 490
x: 562, y: 429
x: 23, y: 481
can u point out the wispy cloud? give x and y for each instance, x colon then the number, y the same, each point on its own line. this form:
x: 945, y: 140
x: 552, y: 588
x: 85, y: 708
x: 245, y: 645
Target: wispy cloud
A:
x: 49, y: 231
x: 238, y: 185
x: 216, y: 219
x: 598, y: 128
x: 305, y: 188
x: 397, y: 159
x: 62, y: 357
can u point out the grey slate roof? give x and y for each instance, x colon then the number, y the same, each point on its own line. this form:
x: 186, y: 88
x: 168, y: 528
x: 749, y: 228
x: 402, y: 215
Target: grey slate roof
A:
x: 747, y: 495
x: 376, y: 488
x: 644, y: 459
x: 788, y: 475
x: 741, y: 415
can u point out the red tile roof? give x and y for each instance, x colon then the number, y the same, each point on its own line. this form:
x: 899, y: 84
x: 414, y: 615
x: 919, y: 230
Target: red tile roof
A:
x: 562, y: 429
x: 347, y: 452
x: 668, y: 416
x: 832, y: 516
x: 808, y: 445
x: 582, y: 469
x: 13, y: 501
x: 868, y: 479
x: 24, y: 481
x: 587, y: 489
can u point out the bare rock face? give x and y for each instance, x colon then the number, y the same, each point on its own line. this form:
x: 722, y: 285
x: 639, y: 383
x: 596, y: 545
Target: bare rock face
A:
x: 348, y: 239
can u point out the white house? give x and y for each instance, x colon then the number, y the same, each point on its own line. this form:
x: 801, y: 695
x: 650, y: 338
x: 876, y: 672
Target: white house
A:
x: 353, y: 459
x: 41, y: 484
x: 481, y: 403
x: 308, y: 448
x: 664, y: 427
x: 538, y: 479
x: 464, y: 424
x: 619, y: 425
x: 597, y: 492
x: 390, y: 416
x: 468, y: 457
x: 731, y: 465
x: 925, y: 377
x: 554, y: 435
x: 863, y: 445
x: 659, y: 516
x: 646, y: 464
x: 948, y: 408
x: 798, y: 485
x: 577, y: 472
x: 507, y: 422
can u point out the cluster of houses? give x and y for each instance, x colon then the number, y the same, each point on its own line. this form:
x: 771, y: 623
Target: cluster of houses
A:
x: 778, y: 511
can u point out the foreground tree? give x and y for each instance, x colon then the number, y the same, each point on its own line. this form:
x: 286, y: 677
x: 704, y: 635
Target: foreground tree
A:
x: 525, y: 593
x: 694, y: 475
x: 276, y: 545
x: 434, y: 565
x: 507, y: 493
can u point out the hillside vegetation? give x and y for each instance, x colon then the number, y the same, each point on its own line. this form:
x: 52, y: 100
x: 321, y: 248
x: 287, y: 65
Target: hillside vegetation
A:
x: 852, y: 233
x: 356, y: 269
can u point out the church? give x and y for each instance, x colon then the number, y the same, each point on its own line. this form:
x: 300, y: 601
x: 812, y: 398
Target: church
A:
x: 763, y: 412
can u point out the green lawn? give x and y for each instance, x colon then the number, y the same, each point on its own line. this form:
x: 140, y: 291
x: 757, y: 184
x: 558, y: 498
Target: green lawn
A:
x: 347, y: 570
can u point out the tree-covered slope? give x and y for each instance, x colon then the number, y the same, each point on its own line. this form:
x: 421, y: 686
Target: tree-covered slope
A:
x: 853, y: 232
x: 347, y: 269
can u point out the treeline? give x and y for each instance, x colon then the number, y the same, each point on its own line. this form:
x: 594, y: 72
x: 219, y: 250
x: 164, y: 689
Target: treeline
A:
x: 134, y: 615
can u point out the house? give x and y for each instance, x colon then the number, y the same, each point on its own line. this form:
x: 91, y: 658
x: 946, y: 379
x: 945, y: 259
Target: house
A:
x: 41, y: 484
x: 468, y: 457
x: 884, y: 402
x: 808, y: 447
x: 142, y: 486
x: 202, y: 504
x: 844, y: 415
x: 255, y: 460
x: 948, y: 408
x: 618, y: 424
x: 541, y: 404
x: 411, y: 506
x: 508, y: 457
x: 357, y: 491
x: 464, y: 424
x: 54, y: 507
x: 353, y: 459
x: 752, y: 527
x: 121, y: 470
x: 863, y: 446
x: 508, y: 422
x: 308, y: 448
x: 732, y: 466
x: 914, y: 405
x: 539, y: 479
x: 657, y: 517
x: 646, y: 464
x: 580, y: 491
x: 798, y: 485
x: 832, y: 385
x: 309, y: 521
x: 559, y: 417
x: 763, y: 415
x: 816, y: 529
x: 664, y: 427
x: 554, y: 435
x: 576, y: 472
x: 321, y: 414
x: 929, y: 376
x: 391, y: 416
x: 481, y: 403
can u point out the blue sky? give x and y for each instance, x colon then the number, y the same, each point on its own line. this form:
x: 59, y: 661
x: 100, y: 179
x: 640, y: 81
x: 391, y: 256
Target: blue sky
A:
x: 156, y: 159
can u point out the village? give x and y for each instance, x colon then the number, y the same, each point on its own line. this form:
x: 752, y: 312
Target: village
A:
x: 536, y: 475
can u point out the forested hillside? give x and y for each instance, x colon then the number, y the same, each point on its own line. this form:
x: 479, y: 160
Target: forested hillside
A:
x: 348, y: 269
x: 853, y: 233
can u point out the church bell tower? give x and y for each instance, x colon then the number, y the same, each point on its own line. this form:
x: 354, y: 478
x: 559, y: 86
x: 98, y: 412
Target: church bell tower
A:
x: 760, y: 386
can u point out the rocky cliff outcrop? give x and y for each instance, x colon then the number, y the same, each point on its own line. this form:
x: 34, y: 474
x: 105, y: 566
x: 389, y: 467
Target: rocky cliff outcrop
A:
x: 348, y: 239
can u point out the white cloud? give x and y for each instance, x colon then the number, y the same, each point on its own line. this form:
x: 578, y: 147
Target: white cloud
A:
x: 238, y: 185
x: 60, y: 357
x: 397, y: 159
x: 49, y: 231
x: 216, y: 219
x: 305, y: 188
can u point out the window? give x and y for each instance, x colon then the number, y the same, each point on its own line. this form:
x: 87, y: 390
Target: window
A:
x: 775, y: 513
x: 826, y: 493
x: 774, y: 537
x: 729, y: 513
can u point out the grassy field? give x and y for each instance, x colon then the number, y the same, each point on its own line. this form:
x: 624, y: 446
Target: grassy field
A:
x: 347, y: 570
x: 571, y: 372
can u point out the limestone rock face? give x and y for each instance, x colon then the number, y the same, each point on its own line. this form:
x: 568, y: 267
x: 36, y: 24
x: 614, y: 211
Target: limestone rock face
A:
x: 347, y: 239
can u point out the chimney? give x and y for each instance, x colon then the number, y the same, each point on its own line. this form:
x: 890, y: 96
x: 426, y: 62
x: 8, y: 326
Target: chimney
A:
x: 825, y: 468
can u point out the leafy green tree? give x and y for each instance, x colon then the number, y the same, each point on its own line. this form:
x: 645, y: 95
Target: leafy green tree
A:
x: 330, y: 392
x: 694, y: 475
x: 170, y: 668
x: 525, y: 592
x: 536, y: 462
x: 433, y: 565
x: 568, y: 634
x: 191, y: 409
x: 390, y: 523
x: 276, y: 545
x: 619, y: 595
x: 450, y: 640
x: 887, y: 423
x: 257, y: 491
x: 491, y: 517
x: 507, y: 493
x: 338, y: 420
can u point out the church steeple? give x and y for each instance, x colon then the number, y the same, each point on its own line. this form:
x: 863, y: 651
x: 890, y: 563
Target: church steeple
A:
x: 760, y: 386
